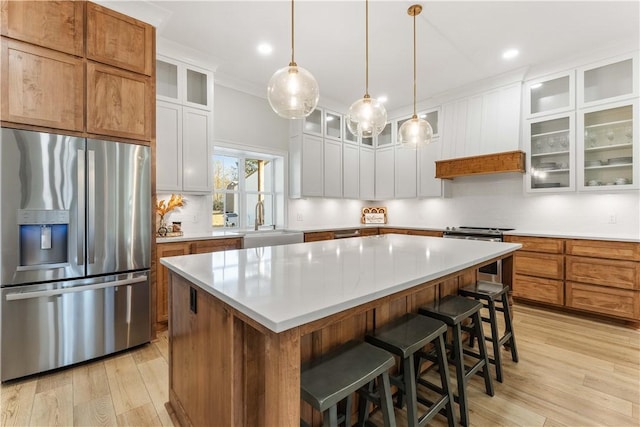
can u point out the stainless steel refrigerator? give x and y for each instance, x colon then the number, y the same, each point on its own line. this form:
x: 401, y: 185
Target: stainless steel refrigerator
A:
x: 75, y: 249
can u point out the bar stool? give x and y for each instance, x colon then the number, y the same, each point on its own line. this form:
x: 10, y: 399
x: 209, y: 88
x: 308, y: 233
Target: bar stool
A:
x: 405, y: 337
x: 335, y: 377
x: 489, y: 294
x: 452, y: 310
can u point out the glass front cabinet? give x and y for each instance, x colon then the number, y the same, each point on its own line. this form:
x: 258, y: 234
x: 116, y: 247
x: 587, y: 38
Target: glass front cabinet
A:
x: 608, y: 154
x: 550, y: 153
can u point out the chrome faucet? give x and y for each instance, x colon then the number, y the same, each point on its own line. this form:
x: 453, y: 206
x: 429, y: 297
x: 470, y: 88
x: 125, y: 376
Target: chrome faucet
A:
x: 259, y: 214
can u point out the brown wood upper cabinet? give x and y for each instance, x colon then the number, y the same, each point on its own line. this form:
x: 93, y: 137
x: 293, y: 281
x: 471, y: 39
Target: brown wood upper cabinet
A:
x: 41, y: 87
x: 119, y: 40
x: 56, y: 25
x: 118, y: 102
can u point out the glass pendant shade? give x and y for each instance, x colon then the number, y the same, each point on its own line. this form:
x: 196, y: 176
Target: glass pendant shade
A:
x: 366, y: 117
x: 293, y: 92
x: 415, y: 132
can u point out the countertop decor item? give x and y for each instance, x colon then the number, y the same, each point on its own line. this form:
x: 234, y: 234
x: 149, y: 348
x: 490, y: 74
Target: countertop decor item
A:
x: 293, y: 92
x: 367, y: 117
x: 373, y: 215
x: 415, y: 131
x: 163, y: 207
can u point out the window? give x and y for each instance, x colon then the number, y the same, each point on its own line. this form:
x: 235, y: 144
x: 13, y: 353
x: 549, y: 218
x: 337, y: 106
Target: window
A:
x: 240, y: 182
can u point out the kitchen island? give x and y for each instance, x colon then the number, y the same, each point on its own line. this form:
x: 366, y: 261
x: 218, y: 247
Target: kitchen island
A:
x: 241, y: 322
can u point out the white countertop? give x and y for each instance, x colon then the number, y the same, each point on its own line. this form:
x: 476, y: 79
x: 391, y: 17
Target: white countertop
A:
x: 575, y: 235
x: 282, y: 287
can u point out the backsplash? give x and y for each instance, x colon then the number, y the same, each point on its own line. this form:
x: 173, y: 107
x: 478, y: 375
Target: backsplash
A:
x: 491, y: 200
x: 195, y: 215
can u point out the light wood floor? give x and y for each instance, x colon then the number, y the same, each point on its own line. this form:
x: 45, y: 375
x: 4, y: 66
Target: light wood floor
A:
x: 572, y: 372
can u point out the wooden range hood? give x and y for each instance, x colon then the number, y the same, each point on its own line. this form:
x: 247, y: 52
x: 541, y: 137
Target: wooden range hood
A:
x: 509, y: 161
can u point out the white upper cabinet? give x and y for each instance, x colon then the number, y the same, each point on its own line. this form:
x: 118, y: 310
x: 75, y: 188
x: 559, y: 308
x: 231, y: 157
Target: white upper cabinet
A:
x: 367, y: 174
x: 350, y: 171
x: 306, y: 166
x: 183, y: 83
x: 183, y: 148
x: 386, y: 137
x: 608, y: 149
x: 384, y: 173
x: 550, y: 148
x: 454, y: 130
x: 550, y: 95
x: 314, y: 122
x: 608, y: 81
x: 428, y: 184
x: 406, y: 179
x: 347, y: 136
x: 332, y: 169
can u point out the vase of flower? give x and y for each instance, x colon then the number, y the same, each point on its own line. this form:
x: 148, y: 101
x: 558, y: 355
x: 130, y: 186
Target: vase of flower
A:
x: 162, y: 208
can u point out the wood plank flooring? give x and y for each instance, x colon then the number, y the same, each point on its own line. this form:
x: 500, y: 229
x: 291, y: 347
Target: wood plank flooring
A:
x: 572, y: 372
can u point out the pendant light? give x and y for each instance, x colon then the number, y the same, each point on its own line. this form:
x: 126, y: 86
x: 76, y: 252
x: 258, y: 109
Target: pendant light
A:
x: 292, y: 91
x: 415, y: 131
x: 366, y: 117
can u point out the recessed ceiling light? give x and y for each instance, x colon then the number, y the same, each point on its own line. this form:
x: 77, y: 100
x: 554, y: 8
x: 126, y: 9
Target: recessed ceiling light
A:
x: 265, y: 49
x: 510, y: 53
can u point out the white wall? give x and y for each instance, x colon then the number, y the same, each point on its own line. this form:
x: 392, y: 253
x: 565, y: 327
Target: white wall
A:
x: 490, y: 200
x: 249, y: 120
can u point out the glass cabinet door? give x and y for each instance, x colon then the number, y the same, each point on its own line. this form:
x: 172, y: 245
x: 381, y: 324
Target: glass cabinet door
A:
x: 333, y: 125
x: 550, y: 95
x: 313, y: 122
x: 167, y: 80
x: 386, y: 136
x: 197, y: 88
x: 550, y: 160
x: 432, y: 118
x: 608, y: 81
x: 347, y: 136
x: 608, y: 153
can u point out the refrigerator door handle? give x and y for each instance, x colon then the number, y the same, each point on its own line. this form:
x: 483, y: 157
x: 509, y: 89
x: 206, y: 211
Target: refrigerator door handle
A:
x: 80, y: 207
x: 91, y: 207
x: 54, y: 292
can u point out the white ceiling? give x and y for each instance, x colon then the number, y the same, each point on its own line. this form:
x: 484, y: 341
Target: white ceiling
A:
x: 459, y: 42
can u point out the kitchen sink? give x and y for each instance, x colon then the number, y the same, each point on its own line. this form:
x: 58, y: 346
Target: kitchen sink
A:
x: 257, y: 239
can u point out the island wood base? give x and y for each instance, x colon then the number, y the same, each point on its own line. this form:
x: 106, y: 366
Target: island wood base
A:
x: 226, y: 369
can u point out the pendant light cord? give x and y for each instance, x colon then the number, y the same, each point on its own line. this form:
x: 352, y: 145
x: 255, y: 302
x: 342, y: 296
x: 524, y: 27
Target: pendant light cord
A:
x: 366, y: 50
x: 293, y: 62
x: 414, y: 66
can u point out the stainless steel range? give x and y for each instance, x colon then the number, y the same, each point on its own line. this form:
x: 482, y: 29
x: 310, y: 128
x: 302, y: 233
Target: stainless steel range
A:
x: 493, y: 271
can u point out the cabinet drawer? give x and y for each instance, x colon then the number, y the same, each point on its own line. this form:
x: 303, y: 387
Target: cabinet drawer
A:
x: 429, y: 233
x: 539, y: 265
x: 215, y: 245
x: 394, y: 231
x: 537, y: 244
x: 604, y: 249
x: 614, y: 302
x: 538, y: 289
x: 607, y: 272
x: 318, y: 235
x: 41, y: 87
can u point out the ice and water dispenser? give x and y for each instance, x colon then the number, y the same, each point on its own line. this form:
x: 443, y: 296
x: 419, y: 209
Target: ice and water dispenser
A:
x: 44, y: 237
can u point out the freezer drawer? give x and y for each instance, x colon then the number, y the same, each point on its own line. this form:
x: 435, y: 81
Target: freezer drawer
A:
x: 52, y: 325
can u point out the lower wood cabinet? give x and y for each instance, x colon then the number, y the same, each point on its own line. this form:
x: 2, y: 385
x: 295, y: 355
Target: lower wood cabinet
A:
x: 539, y: 289
x: 604, y: 300
x: 596, y: 276
x: 316, y: 236
x: 183, y: 248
